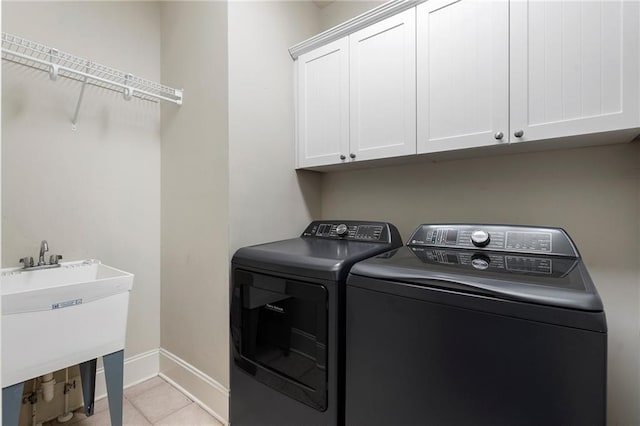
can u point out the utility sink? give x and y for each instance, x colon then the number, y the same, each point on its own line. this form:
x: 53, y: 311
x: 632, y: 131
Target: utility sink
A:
x: 55, y: 318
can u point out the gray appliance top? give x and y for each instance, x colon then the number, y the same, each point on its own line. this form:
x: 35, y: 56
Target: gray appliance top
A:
x: 533, y: 265
x: 326, y: 249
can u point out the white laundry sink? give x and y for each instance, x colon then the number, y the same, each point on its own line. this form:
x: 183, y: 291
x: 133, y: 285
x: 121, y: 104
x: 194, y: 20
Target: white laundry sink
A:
x: 54, y: 318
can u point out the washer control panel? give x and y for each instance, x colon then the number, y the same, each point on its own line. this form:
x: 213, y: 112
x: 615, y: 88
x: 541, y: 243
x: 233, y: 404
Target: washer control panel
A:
x: 351, y: 230
x: 510, y: 238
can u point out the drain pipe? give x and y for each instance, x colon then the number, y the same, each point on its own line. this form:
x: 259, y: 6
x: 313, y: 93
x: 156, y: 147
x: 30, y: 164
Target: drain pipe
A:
x: 68, y: 415
x: 47, y: 385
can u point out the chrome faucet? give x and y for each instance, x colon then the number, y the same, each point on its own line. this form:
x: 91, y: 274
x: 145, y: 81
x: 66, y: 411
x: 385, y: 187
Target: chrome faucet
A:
x: 42, y: 264
x: 44, y: 247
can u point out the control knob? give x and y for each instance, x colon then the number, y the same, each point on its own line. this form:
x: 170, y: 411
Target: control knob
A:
x: 342, y: 230
x: 480, y: 238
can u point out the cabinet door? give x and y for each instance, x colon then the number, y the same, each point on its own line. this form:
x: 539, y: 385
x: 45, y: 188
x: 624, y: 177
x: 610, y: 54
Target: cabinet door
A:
x: 323, y: 105
x: 383, y: 88
x: 463, y: 80
x: 574, y: 67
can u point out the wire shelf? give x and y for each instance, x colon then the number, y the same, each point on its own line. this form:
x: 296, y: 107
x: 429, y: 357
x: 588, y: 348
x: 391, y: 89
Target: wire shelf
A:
x: 57, y: 63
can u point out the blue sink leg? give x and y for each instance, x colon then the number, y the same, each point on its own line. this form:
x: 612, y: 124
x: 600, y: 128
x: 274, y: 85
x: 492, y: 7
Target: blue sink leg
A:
x: 11, y: 400
x: 113, y: 371
x: 88, y: 377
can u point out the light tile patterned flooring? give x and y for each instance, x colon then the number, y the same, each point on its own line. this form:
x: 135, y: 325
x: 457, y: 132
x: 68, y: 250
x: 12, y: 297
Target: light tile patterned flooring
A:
x: 154, y: 402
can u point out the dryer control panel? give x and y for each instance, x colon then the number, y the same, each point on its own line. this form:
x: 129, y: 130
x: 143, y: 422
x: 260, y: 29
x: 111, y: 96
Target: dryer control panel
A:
x: 381, y: 232
x: 507, y: 238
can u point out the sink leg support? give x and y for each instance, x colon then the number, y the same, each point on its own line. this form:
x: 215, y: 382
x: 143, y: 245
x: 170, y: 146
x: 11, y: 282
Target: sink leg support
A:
x: 114, y: 376
x: 88, y: 376
x: 113, y: 371
x: 11, y: 400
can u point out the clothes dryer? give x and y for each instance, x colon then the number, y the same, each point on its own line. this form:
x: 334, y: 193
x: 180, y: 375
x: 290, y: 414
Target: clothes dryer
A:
x: 287, y: 322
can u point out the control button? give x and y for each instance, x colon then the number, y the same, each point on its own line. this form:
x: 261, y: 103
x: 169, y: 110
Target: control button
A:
x: 480, y: 262
x: 342, y: 230
x: 480, y: 238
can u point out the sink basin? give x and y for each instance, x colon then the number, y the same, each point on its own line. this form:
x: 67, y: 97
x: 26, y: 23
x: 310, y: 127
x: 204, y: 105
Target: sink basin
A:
x: 54, y: 318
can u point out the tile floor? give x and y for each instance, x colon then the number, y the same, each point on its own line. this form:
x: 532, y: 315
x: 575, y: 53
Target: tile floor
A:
x: 154, y: 402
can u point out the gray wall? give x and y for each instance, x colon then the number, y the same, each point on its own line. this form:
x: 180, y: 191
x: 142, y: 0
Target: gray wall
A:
x: 593, y: 193
x: 195, y: 209
x: 268, y: 199
x: 95, y: 192
x: 339, y: 11
x: 224, y: 190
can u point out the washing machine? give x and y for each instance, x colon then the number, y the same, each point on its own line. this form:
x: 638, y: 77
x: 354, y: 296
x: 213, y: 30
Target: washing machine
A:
x: 287, y: 322
x: 476, y: 325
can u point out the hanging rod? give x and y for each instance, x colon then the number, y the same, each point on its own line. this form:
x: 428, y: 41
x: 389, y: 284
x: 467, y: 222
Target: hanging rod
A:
x: 57, y: 63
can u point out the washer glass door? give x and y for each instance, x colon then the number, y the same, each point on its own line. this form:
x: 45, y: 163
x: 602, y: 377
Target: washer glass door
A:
x: 279, y: 331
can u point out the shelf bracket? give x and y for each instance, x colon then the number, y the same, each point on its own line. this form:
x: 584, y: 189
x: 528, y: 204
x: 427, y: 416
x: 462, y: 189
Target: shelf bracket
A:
x: 128, y: 91
x: 74, y: 121
x: 53, y: 69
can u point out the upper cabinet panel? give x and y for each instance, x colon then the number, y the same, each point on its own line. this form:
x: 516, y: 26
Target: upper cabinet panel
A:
x: 574, y: 67
x: 462, y: 74
x: 455, y: 75
x: 323, y: 105
x: 383, y: 88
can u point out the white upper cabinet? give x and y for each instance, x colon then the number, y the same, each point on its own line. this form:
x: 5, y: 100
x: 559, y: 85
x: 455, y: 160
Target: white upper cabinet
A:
x: 462, y: 74
x: 574, y: 67
x: 383, y: 88
x: 323, y: 105
x: 450, y: 75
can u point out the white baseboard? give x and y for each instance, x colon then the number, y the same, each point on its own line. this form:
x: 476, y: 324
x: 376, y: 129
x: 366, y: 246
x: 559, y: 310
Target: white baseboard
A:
x: 205, y: 391
x: 137, y: 369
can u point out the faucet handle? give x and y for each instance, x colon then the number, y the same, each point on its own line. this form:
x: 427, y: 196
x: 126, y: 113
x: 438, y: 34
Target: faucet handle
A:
x: 54, y: 258
x: 27, y: 261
